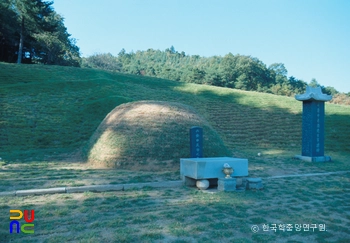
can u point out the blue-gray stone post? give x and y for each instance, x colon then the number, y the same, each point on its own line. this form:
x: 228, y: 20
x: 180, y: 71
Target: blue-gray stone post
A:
x: 313, y: 128
x: 313, y: 125
x: 196, y: 142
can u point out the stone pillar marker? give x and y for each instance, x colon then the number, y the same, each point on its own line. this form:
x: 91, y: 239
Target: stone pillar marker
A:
x: 313, y: 125
x: 196, y: 142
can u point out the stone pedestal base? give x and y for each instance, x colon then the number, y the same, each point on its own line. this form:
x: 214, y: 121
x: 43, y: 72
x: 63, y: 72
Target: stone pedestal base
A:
x: 254, y: 183
x: 241, y: 184
x: 314, y: 159
x: 227, y: 184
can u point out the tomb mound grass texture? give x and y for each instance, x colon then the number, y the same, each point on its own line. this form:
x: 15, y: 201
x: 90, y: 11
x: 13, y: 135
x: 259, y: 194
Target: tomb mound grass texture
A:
x: 149, y: 135
x: 48, y: 113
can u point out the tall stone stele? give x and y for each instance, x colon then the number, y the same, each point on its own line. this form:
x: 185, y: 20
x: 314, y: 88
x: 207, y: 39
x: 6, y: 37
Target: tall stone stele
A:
x: 196, y: 142
x: 313, y: 125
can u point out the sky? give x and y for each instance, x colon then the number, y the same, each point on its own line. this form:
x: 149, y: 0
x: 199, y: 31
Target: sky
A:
x: 310, y: 37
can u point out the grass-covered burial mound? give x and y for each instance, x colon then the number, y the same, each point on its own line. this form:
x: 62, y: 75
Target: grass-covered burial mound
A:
x: 149, y: 135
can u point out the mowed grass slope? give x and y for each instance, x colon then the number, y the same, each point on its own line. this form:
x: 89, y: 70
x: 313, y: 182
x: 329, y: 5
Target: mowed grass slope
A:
x: 48, y: 112
x: 52, y: 111
x: 149, y: 135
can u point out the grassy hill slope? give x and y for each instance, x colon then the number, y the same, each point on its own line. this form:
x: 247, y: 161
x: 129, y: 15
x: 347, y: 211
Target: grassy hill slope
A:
x: 149, y: 135
x: 51, y: 111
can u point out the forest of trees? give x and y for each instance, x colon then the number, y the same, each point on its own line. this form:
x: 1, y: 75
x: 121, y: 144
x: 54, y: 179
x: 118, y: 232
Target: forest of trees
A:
x: 32, y: 32
x: 232, y: 71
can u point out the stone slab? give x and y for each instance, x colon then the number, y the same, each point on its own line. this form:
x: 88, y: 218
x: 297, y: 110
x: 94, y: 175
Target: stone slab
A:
x: 314, y: 159
x: 41, y: 191
x: 95, y: 188
x: 210, y: 191
x: 227, y: 184
x: 166, y: 184
x: 5, y: 194
x: 306, y: 175
x: 206, y: 168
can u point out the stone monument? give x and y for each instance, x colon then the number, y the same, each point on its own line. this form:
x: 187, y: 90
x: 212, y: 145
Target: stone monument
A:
x: 196, y: 142
x: 225, y: 172
x: 313, y: 125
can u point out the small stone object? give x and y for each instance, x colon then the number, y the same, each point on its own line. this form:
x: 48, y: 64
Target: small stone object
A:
x: 227, y: 184
x: 254, y: 183
x: 202, y: 184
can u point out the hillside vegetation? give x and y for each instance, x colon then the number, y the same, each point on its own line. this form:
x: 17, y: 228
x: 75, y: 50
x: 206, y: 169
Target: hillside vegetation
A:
x: 230, y: 71
x: 51, y: 111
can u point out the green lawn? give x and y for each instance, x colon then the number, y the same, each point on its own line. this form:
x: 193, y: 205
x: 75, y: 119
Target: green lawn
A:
x: 48, y: 113
x: 189, y: 215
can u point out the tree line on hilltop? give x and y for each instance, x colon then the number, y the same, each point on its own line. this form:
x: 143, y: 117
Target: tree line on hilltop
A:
x: 232, y: 71
x: 32, y: 32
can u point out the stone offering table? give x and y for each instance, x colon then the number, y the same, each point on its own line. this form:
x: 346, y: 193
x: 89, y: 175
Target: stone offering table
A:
x: 194, y: 169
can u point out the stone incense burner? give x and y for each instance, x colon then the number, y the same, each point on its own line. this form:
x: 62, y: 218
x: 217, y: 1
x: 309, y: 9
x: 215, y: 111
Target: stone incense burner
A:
x: 228, y: 170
